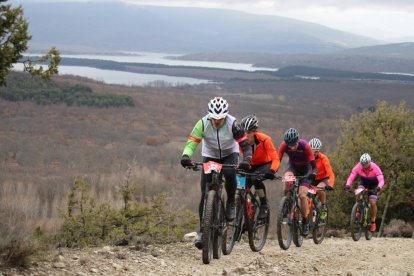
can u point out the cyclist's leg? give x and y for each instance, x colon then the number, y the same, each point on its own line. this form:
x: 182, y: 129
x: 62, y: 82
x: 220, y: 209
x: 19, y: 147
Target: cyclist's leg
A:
x: 258, y: 184
x: 373, y: 198
x: 231, y: 183
x: 321, y: 194
x: 304, y: 185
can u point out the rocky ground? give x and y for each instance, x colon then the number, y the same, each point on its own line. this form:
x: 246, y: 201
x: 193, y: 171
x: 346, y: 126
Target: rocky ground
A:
x: 335, y: 256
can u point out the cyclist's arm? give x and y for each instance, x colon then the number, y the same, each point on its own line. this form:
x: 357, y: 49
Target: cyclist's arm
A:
x: 311, y: 158
x: 380, y: 175
x: 194, y: 139
x: 282, y: 149
x: 354, y: 173
x: 271, y: 151
x: 241, y: 138
x: 329, y: 171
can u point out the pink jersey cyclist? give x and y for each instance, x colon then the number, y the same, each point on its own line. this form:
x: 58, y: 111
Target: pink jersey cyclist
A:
x: 372, y: 179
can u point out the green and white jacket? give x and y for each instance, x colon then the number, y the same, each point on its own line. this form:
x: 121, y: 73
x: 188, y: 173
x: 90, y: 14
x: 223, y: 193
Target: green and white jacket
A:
x: 218, y: 143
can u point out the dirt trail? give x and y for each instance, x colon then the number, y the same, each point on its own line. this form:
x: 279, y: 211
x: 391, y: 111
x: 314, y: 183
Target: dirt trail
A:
x: 380, y: 256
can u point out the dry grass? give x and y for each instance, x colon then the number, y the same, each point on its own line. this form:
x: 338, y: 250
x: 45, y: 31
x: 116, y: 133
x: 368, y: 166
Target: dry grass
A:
x: 44, y: 149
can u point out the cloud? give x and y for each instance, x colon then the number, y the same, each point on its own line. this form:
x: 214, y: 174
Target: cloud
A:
x: 397, y: 5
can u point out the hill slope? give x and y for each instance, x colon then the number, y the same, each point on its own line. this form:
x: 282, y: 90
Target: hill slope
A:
x: 117, y: 26
x: 397, y: 50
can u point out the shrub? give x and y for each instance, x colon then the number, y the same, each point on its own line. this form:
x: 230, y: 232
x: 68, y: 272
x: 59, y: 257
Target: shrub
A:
x: 86, y: 223
x: 335, y: 233
x: 398, y: 228
x: 17, y: 244
x: 20, y: 88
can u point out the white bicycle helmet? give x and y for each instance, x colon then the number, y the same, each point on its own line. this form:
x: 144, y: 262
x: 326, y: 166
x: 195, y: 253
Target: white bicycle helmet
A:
x: 249, y: 123
x: 315, y: 144
x: 365, y: 159
x: 218, y: 108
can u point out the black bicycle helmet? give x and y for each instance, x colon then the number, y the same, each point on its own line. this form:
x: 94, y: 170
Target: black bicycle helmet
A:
x: 249, y: 123
x: 291, y: 136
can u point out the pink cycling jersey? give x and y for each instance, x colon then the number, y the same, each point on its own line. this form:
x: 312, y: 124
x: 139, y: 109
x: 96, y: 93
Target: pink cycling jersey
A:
x: 372, y: 176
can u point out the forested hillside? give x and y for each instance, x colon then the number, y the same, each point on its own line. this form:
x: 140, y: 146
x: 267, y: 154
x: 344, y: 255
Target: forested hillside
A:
x: 46, y: 147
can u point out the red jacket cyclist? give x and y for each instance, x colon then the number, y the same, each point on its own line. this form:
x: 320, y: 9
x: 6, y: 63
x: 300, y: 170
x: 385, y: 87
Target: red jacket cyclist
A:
x: 264, y: 161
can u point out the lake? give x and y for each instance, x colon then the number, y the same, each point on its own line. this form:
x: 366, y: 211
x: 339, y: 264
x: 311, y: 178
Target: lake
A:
x: 128, y: 78
x: 123, y: 78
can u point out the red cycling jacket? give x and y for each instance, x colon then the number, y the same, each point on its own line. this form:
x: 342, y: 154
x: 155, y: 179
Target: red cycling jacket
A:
x: 265, y: 151
x: 324, y: 169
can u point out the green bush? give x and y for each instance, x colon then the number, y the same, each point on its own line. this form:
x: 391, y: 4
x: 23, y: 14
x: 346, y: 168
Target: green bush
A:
x: 85, y: 223
x: 24, y: 88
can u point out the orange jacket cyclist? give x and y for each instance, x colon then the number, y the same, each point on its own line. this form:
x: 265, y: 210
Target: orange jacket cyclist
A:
x: 301, y: 163
x: 325, y: 177
x: 222, y: 136
x: 264, y: 160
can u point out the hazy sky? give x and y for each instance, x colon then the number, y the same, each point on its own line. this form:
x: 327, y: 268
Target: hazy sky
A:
x: 383, y: 19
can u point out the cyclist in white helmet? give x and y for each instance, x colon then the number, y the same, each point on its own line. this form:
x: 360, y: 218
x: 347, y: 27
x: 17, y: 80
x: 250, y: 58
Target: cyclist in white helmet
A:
x: 222, y: 136
x: 325, y: 177
x: 372, y: 179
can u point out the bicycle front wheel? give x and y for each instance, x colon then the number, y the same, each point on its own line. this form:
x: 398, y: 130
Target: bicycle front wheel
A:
x: 284, y: 223
x: 297, y: 224
x: 356, y: 218
x: 319, y: 226
x: 208, y: 227
x: 368, y: 234
x: 220, y: 228
x: 257, y: 228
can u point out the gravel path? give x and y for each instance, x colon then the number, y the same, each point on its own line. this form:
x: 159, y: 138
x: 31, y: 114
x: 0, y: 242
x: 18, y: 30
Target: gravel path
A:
x: 335, y: 256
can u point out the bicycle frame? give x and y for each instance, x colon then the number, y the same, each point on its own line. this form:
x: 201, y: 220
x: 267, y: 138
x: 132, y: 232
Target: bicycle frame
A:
x: 290, y: 211
x: 213, y: 222
x: 247, y: 216
x: 316, y: 224
x: 361, y: 206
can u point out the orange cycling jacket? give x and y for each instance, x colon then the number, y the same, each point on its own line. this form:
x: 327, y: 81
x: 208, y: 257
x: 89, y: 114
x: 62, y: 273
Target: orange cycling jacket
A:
x: 324, y: 169
x: 265, y: 152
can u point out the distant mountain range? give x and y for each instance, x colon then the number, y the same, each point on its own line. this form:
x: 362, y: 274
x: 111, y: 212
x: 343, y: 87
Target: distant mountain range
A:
x: 397, y: 50
x: 117, y: 26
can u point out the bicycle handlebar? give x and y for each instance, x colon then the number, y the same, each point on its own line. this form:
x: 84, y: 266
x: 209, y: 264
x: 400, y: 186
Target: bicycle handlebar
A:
x: 196, y: 166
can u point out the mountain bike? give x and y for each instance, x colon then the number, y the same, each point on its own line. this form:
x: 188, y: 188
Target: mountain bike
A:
x: 317, y: 224
x: 289, y: 218
x: 214, y: 222
x: 361, y: 214
x: 247, y: 211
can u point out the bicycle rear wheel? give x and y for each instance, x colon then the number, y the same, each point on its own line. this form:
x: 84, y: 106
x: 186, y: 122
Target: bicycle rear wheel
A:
x: 319, y: 226
x: 234, y: 227
x: 208, y: 227
x: 297, y: 223
x: 257, y: 228
x: 356, y: 218
x: 284, y: 223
